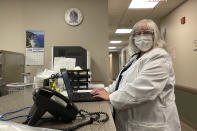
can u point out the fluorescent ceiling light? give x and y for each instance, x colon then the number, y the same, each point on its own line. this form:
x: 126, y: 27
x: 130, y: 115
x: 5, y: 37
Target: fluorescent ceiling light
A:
x: 115, y: 41
x: 135, y: 4
x: 123, y: 31
x: 112, y: 47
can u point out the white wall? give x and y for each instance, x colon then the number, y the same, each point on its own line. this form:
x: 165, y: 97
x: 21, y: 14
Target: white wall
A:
x: 180, y: 39
x: 17, y: 16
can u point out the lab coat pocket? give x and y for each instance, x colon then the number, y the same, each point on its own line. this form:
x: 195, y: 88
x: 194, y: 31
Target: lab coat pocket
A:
x: 138, y: 126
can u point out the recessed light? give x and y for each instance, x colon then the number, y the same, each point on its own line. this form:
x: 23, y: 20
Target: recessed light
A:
x: 141, y: 4
x: 115, y: 41
x: 111, y: 47
x: 123, y: 31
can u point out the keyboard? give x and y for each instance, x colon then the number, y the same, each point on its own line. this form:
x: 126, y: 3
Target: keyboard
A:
x: 84, y: 97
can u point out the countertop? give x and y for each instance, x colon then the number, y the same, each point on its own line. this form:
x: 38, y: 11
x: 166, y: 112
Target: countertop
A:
x: 23, y: 98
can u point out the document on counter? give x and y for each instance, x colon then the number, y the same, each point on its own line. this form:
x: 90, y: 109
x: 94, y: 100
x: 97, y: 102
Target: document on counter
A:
x: 17, y: 84
x: 64, y: 93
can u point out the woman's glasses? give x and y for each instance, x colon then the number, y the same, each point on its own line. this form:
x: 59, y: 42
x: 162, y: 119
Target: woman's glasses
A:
x: 144, y: 32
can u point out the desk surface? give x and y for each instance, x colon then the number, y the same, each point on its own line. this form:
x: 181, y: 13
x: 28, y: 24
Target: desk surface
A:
x: 21, y: 99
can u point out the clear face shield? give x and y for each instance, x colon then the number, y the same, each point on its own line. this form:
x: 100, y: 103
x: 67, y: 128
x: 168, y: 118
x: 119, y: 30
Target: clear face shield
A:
x: 143, y: 32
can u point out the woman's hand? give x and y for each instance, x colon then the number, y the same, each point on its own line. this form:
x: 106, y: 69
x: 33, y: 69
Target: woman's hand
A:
x: 94, y: 91
x: 100, y: 93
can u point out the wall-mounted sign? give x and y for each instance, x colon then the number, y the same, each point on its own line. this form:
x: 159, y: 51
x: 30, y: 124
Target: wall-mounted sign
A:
x: 34, y: 47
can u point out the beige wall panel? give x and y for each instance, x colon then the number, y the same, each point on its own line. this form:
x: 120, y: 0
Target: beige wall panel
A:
x: 180, y: 39
x: 17, y: 16
x: 115, y: 63
x: 110, y: 67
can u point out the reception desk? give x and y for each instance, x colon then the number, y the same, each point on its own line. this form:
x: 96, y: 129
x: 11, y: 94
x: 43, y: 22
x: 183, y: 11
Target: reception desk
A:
x: 23, y: 98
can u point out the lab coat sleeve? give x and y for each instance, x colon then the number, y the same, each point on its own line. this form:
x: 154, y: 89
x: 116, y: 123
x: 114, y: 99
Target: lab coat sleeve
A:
x: 111, y: 88
x: 148, y: 84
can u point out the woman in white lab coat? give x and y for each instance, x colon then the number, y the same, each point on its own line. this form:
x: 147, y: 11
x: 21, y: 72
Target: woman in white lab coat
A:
x: 143, y: 94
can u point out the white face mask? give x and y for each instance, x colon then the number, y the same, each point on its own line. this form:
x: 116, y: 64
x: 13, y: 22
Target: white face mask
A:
x: 144, y: 42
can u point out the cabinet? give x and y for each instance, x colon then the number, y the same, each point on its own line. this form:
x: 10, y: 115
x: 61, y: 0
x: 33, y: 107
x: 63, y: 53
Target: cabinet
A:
x: 12, y: 64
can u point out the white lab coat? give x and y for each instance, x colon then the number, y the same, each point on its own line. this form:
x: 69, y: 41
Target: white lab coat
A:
x: 145, y: 100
